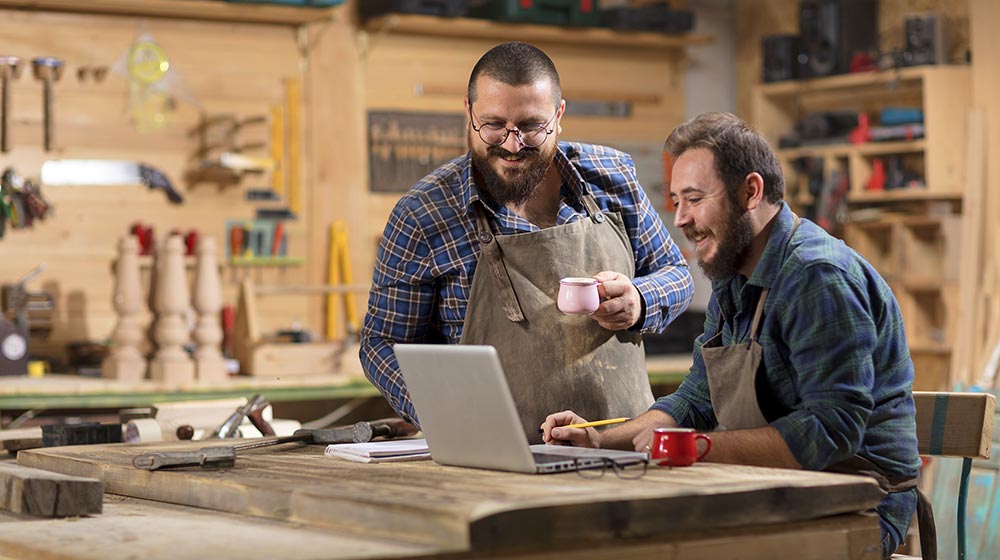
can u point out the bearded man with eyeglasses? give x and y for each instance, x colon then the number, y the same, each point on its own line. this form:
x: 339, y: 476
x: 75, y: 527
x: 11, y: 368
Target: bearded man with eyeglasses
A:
x: 474, y: 252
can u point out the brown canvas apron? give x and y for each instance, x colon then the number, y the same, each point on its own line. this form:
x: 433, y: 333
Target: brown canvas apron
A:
x: 554, y: 361
x: 732, y: 373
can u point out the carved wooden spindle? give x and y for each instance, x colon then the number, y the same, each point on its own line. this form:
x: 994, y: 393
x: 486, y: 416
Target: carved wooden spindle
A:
x: 172, y: 365
x: 209, y: 364
x: 125, y: 362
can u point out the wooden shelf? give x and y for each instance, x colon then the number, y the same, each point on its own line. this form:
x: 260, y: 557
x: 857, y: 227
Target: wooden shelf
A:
x: 924, y: 347
x: 846, y: 150
x: 902, y: 195
x: 892, y: 195
x: 266, y: 261
x: 486, y: 29
x: 925, y: 283
x: 845, y: 81
x: 213, y: 10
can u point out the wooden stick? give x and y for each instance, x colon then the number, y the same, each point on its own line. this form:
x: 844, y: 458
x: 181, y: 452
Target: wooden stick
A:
x: 969, y: 286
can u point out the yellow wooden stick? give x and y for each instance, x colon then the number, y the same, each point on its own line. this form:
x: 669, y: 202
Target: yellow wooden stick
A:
x: 334, y: 329
x: 346, y: 276
x: 278, y: 151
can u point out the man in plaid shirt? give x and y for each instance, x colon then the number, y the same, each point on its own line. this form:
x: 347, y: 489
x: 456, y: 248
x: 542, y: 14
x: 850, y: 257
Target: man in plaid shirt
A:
x: 803, y: 362
x: 475, y: 251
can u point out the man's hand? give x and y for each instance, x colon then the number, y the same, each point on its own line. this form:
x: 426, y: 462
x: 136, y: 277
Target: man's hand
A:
x: 621, y: 305
x: 552, y: 433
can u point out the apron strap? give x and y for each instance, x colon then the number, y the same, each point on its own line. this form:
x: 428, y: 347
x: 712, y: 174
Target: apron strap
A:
x: 925, y: 513
x: 493, y: 258
x: 593, y: 210
x: 755, y: 325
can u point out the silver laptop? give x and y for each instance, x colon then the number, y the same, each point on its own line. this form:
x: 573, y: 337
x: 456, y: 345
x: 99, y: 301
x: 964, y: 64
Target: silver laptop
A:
x: 469, y: 418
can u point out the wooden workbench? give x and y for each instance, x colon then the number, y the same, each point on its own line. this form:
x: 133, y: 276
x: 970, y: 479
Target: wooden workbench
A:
x: 336, y: 509
x: 72, y: 391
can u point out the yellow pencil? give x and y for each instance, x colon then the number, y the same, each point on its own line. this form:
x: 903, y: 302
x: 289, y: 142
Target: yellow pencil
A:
x: 592, y: 424
x: 597, y: 423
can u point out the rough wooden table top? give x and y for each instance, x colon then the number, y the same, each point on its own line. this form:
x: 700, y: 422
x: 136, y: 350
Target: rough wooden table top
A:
x: 451, y: 509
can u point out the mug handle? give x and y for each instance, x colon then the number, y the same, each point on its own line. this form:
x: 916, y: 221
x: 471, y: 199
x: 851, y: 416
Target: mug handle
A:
x: 708, y: 446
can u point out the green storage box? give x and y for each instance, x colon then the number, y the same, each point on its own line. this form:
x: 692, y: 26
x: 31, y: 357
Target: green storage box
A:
x: 550, y: 12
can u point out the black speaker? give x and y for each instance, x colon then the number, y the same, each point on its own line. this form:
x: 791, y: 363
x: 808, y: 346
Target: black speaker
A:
x: 779, y: 57
x: 926, y: 40
x: 832, y: 32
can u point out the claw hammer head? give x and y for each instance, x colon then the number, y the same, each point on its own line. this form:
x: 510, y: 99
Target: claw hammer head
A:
x: 47, y: 68
x: 10, y: 67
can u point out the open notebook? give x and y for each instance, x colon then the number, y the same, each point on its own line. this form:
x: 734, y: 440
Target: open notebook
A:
x: 381, y: 451
x: 468, y: 415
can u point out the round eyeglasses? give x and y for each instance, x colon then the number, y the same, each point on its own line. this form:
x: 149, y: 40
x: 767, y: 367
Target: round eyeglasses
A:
x: 530, y: 137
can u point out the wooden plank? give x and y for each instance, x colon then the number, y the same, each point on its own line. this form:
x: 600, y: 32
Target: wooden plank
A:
x: 486, y: 29
x: 955, y: 424
x: 471, y: 508
x: 38, y: 492
x: 188, y: 9
x: 131, y: 528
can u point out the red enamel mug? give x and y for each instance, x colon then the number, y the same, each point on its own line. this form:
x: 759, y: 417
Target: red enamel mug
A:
x: 677, y: 447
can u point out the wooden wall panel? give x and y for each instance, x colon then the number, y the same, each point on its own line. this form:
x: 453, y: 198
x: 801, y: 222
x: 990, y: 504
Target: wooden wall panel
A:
x: 240, y: 68
x: 397, y: 68
x: 233, y: 68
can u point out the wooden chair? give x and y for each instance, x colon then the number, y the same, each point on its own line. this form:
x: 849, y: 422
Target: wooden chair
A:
x: 955, y: 425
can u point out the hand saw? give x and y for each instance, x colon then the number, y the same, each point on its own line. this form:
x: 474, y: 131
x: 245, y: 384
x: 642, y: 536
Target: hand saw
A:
x: 103, y: 172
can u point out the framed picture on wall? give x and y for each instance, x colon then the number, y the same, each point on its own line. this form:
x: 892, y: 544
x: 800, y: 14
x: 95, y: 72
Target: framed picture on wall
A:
x: 405, y: 146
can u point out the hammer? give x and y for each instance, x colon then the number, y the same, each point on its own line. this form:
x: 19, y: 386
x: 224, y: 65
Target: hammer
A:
x: 10, y: 69
x: 225, y: 456
x: 47, y: 69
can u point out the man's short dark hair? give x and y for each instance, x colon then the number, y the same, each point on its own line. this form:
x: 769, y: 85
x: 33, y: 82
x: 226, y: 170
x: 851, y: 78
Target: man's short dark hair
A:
x: 516, y: 64
x: 738, y: 149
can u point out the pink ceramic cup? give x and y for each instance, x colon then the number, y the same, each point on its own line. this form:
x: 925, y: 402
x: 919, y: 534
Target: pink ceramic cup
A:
x: 578, y: 296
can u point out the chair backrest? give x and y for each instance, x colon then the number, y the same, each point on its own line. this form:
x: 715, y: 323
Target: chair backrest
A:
x: 955, y: 424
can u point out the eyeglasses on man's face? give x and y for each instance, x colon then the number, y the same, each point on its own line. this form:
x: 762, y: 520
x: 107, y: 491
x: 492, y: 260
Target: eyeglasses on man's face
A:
x: 529, y: 135
x: 627, y: 471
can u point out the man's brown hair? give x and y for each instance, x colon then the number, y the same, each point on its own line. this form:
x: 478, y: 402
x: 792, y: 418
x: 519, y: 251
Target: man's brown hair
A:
x: 738, y: 149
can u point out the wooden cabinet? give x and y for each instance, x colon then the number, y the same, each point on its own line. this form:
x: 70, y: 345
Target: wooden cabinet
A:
x: 910, y: 234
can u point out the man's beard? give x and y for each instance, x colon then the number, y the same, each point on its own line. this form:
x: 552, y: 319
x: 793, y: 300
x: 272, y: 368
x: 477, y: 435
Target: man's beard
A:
x: 732, y: 245
x: 521, y: 184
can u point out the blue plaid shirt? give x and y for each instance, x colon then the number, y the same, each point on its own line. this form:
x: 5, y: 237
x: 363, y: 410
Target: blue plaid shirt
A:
x: 837, y: 374
x: 428, y: 255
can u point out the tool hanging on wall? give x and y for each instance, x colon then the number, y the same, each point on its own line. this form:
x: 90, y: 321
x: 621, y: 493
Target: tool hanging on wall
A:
x: 339, y: 274
x: 10, y: 69
x: 106, y: 172
x: 229, y: 147
x: 294, y: 138
x: 48, y: 70
x: 25, y: 314
x: 21, y: 202
x: 155, y: 86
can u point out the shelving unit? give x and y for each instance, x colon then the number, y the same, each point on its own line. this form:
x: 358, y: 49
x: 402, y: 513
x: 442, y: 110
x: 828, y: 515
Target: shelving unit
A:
x: 212, y: 10
x: 941, y: 92
x: 912, y: 234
